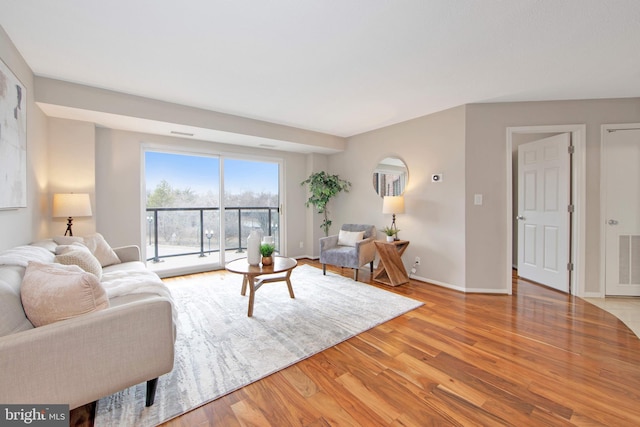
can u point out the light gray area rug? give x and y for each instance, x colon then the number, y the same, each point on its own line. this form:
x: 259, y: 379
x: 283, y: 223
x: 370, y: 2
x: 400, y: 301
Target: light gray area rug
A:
x: 219, y: 349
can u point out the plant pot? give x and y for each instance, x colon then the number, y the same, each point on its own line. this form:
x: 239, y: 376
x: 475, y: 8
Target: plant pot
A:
x: 267, y: 260
x: 390, y: 238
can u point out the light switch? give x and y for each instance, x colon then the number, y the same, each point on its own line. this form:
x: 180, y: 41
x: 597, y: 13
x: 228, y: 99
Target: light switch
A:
x: 477, y: 199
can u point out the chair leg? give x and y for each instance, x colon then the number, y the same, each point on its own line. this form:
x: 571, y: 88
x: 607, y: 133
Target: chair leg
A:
x: 324, y: 269
x: 371, y: 264
x: 355, y: 274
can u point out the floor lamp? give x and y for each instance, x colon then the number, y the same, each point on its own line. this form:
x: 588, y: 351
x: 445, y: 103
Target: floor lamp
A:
x: 69, y: 205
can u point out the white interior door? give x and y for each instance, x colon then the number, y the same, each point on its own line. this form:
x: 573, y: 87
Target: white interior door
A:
x: 543, y: 215
x: 621, y: 186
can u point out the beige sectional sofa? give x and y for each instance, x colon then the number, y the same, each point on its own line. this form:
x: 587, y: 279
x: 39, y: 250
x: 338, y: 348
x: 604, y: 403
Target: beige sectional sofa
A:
x: 122, y: 334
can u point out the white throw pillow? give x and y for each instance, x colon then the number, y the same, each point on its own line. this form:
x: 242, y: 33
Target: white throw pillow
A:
x: 67, y: 240
x: 54, y: 292
x: 101, y: 250
x: 349, y: 238
x: 80, y: 255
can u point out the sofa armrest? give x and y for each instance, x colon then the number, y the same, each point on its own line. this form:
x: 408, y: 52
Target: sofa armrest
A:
x: 88, y: 357
x: 128, y: 253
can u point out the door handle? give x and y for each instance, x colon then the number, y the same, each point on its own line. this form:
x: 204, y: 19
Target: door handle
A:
x: 612, y: 222
x: 520, y: 218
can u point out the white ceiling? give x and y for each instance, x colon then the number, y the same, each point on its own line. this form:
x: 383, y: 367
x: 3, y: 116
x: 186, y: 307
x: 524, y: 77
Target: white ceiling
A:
x: 340, y: 67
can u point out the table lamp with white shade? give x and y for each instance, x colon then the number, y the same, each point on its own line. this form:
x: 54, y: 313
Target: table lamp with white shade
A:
x: 70, y: 205
x: 393, y: 205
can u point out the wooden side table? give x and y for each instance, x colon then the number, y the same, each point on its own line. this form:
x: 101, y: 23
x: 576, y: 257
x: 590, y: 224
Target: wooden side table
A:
x: 391, y: 270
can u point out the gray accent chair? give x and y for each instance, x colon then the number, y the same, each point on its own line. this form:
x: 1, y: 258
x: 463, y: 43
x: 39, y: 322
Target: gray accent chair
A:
x: 354, y: 257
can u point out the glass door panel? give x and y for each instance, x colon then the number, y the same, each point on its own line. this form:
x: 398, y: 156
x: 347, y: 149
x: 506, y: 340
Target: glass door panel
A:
x: 251, y: 200
x: 182, y: 210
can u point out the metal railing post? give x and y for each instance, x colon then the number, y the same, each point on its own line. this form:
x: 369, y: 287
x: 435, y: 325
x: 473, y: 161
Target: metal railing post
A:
x: 156, y: 258
x: 202, y: 233
x: 239, y: 231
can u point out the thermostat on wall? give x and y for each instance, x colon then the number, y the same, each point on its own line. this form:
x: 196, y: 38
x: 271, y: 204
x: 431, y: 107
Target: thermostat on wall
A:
x: 436, y: 177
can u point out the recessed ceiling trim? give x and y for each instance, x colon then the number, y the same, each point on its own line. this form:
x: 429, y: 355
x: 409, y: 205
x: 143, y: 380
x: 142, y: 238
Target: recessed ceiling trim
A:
x: 155, y: 127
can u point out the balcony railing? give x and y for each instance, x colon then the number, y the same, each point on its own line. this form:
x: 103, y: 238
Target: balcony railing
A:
x: 176, y: 232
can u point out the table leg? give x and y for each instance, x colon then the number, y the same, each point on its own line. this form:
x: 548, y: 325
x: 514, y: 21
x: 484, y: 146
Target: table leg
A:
x: 244, y: 285
x: 252, y: 293
x: 288, y: 279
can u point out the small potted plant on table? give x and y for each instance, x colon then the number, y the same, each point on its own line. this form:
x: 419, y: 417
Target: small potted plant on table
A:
x: 391, y: 233
x: 266, y: 250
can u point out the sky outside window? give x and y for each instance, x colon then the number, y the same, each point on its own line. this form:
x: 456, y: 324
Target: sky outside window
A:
x: 201, y: 173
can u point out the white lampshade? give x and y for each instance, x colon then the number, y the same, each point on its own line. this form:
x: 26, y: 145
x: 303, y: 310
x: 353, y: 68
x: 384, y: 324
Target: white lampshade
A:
x: 71, y: 205
x: 393, y: 205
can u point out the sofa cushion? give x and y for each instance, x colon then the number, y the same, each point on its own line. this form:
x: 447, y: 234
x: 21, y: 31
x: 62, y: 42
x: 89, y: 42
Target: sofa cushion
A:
x: 96, y: 244
x: 125, y: 266
x: 12, y: 317
x: 67, y: 240
x: 369, y: 230
x: 349, y: 238
x: 80, y: 255
x: 54, y: 292
x: 48, y: 244
x: 101, y: 249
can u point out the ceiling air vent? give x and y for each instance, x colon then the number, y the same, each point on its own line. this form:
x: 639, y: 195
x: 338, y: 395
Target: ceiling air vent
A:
x: 175, y: 132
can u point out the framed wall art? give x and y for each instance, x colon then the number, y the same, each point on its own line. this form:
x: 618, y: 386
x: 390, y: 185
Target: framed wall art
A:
x: 13, y: 140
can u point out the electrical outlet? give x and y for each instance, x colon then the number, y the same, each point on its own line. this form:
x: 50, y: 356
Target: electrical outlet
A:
x: 417, y: 260
x: 301, y: 244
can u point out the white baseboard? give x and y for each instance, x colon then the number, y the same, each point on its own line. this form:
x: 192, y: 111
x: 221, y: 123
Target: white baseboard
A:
x: 437, y: 283
x: 593, y: 295
x: 459, y: 288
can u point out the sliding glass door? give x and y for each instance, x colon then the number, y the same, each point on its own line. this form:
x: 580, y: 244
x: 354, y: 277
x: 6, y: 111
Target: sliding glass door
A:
x: 200, y: 209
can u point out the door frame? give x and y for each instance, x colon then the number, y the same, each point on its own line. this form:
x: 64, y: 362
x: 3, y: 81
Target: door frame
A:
x: 578, y: 188
x: 603, y: 230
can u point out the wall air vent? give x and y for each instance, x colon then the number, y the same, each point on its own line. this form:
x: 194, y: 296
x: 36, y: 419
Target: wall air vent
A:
x: 629, y: 264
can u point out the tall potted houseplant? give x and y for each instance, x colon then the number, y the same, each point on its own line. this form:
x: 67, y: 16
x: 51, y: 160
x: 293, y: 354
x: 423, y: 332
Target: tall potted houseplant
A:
x: 323, y: 187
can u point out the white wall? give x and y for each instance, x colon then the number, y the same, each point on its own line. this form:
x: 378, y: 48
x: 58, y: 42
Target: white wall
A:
x: 434, y: 218
x: 486, y: 159
x: 21, y: 226
x: 119, y: 184
x: 468, y: 144
x: 314, y: 163
x: 72, y: 169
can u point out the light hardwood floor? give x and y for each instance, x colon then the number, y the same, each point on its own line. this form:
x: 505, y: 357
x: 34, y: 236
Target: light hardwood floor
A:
x: 536, y: 358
